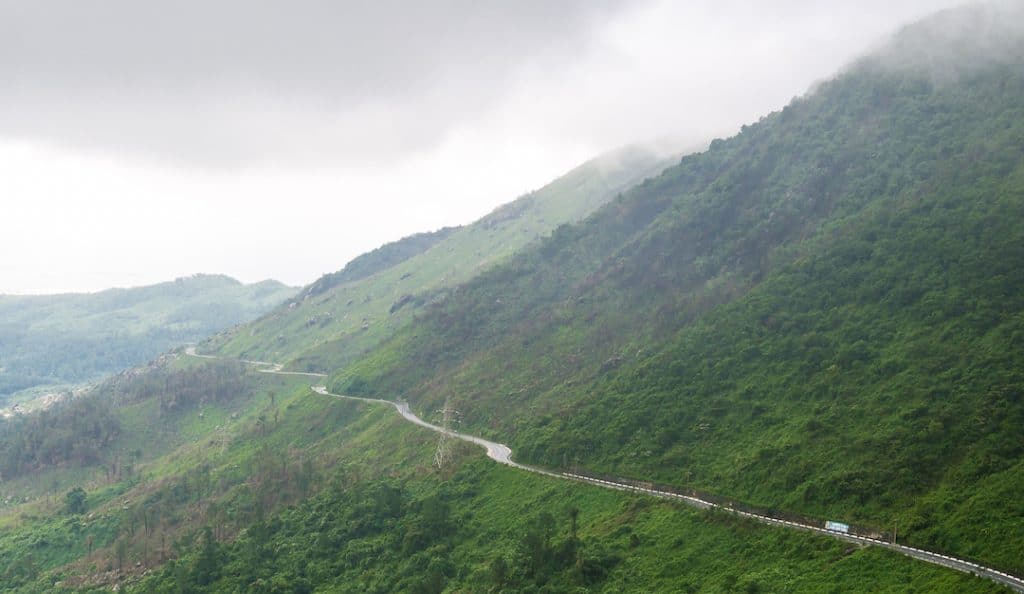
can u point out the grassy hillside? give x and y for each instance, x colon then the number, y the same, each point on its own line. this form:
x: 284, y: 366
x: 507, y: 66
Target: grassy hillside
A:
x: 822, y: 313
x: 490, y: 529
x: 345, y: 313
x: 337, y: 496
x: 104, y: 434
x: 53, y: 340
x: 140, y: 447
x: 375, y: 261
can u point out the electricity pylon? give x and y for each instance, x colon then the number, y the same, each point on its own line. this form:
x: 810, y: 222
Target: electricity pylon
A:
x: 444, y: 445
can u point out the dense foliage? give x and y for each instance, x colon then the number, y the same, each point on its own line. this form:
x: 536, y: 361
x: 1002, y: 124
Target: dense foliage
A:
x: 822, y: 313
x: 180, y: 388
x: 83, y: 431
x: 187, y: 436
x: 494, y: 531
x: 75, y: 431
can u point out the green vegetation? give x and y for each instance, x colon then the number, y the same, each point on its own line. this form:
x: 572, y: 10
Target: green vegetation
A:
x: 72, y: 432
x: 345, y: 313
x: 57, y: 340
x: 822, y: 314
x: 75, y: 501
x: 134, y: 428
x: 183, y: 440
x: 89, y: 432
x: 333, y: 495
x: 378, y: 260
x: 340, y: 496
x: 490, y: 529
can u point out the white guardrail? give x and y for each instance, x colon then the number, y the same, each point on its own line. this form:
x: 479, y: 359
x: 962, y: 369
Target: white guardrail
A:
x: 503, y: 455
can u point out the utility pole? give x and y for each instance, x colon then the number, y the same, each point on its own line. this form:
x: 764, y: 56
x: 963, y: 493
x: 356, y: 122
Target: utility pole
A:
x: 444, y: 446
x: 894, y: 524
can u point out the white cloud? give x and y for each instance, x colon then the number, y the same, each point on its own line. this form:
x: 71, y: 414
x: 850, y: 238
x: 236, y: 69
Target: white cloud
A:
x: 283, y: 151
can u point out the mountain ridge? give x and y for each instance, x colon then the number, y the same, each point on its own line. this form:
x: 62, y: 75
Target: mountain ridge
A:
x: 332, y: 326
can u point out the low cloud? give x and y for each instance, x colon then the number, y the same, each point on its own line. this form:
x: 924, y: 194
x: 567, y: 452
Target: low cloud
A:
x: 245, y: 81
x: 142, y: 141
x: 316, y: 82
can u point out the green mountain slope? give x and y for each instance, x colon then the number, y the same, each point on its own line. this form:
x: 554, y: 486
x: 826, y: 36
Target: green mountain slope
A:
x: 66, y: 339
x: 822, y: 313
x: 345, y: 313
x: 378, y: 260
x: 478, y: 532
x: 311, y: 493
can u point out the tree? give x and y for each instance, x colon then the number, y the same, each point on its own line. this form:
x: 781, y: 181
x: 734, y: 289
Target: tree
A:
x: 535, y: 550
x: 205, y: 570
x: 74, y: 501
x: 121, y: 551
x: 499, y: 572
x: 574, y: 516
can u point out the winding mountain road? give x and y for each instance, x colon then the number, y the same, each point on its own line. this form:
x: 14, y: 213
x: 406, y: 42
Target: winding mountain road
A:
x: 502, y: 454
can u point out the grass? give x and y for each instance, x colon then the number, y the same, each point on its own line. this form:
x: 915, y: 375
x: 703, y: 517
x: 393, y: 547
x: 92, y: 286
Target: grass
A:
x: 625, y: 543
x: 629, y: 542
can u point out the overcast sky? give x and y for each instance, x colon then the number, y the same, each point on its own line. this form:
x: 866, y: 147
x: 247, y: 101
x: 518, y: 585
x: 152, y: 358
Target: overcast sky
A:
x: 141, y: 141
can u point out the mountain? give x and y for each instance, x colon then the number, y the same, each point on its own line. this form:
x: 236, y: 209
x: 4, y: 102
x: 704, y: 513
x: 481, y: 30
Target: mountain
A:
x: 54, y: 340
x: 822, y: 314
x: 345, y: 313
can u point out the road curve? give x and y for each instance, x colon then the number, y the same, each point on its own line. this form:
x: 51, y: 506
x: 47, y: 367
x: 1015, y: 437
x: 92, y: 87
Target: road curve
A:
x: 498, y: 452
x: 275, y: 368
x: 502, y: 454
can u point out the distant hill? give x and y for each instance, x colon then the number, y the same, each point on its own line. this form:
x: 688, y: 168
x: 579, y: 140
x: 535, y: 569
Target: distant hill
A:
x: 51, y: 340
x: 345, y: 313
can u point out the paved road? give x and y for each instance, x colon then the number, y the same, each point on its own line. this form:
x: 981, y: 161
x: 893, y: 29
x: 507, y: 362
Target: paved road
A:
x: 498, y: 452
x: 275, y: 368
x: 1006, y: 579
x: 502, y: 454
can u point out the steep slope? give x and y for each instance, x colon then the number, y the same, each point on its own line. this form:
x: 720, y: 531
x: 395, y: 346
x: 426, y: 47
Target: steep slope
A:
x: 66, y: 339
x: 374, y: 515
x: 347, y: 312
x: 822, y: 313
x: 481, y: 531
x: 375, y: 261
x: 210, y: 502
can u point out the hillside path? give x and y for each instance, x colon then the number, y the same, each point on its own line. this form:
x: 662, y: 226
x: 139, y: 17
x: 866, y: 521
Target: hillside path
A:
x: 502, y: 454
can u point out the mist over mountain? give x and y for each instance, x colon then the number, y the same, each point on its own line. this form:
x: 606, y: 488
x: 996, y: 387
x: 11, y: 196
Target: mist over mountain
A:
x: 818, y: 320
x: 956, y: 42
x: 344, y: 313
x: 809, y: 315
